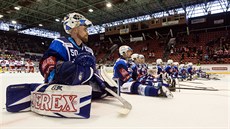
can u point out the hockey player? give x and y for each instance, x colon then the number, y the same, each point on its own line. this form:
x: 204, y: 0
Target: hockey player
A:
x: 121, y: 68
x: 201, y: 74
x: 175, y: 69
x: 168, y: 68
x: 133, y: 66
x: 12, y: 66
x: 19, y: 66
x: 69, y: 61
x: 128, y: 84
x: 3, y: 65
x: 182, y: 72
x: 159, y: 63
x: 143, y: 68
x: 29, y: 66
x: 190, y: 71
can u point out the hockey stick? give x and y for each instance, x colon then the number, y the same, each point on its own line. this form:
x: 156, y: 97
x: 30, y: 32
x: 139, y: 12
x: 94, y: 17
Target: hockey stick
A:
x: 126, y: 105
x: 195, y: 88
x: 214, y: 78
x: 195, y: 82
x: 201, y: 88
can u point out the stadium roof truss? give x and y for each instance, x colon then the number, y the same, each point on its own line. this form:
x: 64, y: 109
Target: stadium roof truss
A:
x: 34, y: 12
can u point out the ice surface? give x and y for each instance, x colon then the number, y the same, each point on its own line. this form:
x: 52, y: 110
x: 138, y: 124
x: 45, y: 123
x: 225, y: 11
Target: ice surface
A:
x: 188, y: 109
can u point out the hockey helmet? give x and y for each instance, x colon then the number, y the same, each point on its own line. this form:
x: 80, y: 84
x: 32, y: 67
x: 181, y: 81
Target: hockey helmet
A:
x: 181, y: 66
x: 134, y: 56
x: 141, y: 56
x: 124, y: 49
x: 176, y: 63
x: 169, y: 62
x: 159, y: 61
x: 190, y: 64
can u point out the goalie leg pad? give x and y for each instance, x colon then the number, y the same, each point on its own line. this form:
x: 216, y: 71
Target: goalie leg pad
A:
x: 18, y: 97
x: 50, y: 100
x: 62, y: 101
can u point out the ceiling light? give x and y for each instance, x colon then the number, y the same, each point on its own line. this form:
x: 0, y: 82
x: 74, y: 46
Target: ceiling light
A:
x: 13, y: 22
x: 40, y: 24
x: 57, y: 20
x: 109, y: 5
x: 91, y: 10
x: 1, y: 15
x: 17, y: 7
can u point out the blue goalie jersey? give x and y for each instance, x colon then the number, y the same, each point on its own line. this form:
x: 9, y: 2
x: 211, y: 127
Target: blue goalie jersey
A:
x: 61, y: 49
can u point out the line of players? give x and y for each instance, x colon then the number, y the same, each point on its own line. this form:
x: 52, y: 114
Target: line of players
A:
x: 136, y: 78
x: 182, y: 72
x: 13, y: 66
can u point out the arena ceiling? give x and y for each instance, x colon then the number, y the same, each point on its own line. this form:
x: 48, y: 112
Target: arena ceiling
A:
x: 34, y: 12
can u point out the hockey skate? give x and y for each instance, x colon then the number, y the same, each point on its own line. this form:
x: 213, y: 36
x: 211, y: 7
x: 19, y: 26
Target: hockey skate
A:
x: 165, y: 92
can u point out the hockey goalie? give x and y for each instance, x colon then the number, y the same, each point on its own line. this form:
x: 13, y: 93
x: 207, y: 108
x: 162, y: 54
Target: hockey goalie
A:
x: 71, y: 79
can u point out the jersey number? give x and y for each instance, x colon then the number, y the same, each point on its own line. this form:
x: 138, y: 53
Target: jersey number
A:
x: 73, y: 52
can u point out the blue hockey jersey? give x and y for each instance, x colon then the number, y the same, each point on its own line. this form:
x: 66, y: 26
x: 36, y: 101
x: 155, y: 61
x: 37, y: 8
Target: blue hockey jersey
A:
x: 159, y: 69
x: 122, y: 71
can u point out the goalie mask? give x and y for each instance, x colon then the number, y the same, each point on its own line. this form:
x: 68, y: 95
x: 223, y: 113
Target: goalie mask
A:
x: 74, y: 20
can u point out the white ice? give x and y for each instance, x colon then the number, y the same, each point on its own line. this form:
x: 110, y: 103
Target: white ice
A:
x: 188, y: 109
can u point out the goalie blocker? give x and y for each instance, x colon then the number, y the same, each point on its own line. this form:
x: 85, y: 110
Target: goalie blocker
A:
x: 50, y: 100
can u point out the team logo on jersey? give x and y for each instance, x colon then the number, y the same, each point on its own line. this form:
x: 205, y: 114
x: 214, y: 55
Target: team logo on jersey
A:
x: 67, y: 45
x: 80, y: 76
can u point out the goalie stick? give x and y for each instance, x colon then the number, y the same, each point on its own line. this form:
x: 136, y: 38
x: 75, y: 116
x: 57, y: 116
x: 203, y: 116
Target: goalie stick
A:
x: 110, y: 81
x: 126, y: 105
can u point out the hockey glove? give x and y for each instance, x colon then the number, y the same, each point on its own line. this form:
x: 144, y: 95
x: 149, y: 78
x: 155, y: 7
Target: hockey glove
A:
x: 85, y: 59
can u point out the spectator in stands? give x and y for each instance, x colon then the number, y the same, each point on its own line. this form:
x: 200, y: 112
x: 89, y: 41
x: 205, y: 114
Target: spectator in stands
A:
x: 206, y: 57
x: 197, y: 38
x: 226, y: 53
x: 182, y: 56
